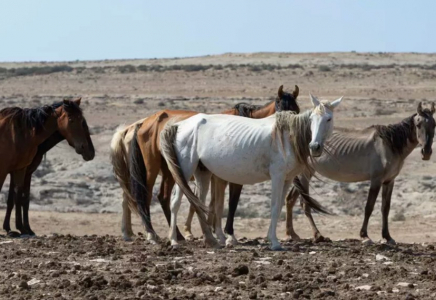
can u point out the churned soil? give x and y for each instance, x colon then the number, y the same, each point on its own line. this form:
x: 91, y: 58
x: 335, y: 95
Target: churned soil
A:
x: 106, y: 267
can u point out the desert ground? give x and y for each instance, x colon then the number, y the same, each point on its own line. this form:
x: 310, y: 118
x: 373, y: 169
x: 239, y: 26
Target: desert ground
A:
x: 71, y: 198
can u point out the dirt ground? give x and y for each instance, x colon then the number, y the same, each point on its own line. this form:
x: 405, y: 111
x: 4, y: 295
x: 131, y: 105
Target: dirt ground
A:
x: 70, y: 196
x: 105, y: 267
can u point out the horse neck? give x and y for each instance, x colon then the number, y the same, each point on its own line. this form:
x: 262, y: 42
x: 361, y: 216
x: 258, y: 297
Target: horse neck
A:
x: 264, y: 112
x: 50, y: 127
x: 412, y: 142
x: 50, y: 142
x: 408, y: 125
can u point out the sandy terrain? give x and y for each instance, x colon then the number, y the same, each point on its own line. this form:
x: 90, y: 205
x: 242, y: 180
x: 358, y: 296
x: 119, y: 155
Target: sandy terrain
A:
x: 70, y: 196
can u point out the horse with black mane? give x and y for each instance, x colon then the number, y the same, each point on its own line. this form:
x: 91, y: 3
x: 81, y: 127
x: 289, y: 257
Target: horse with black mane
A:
x: 25, y: 135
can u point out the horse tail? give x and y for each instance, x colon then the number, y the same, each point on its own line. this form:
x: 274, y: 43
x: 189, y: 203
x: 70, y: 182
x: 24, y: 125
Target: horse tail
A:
x: 119, y: 160
x: 312, y: 203
x: 138, y: 179
x: 167, y: 139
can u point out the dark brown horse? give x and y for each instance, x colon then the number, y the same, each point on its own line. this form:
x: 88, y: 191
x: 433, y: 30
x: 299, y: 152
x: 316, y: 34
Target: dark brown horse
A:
x: 32, y: 132
x: 145, y: 151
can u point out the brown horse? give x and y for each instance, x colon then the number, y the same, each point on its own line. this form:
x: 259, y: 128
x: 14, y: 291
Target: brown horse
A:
x: 145, y: 160
x: 43, y: 148
x: 23, y: 130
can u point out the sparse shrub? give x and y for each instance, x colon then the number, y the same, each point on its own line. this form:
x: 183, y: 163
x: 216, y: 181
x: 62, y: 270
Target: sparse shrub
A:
x: 161, y: 104
x: 98, y: 70
x: 127, y: 69
x: 142, y: 68
x: 324, y: 69
x: 80, y: 69
x: 139, y: 101
x: 255, y: 69
x: 295, y: 66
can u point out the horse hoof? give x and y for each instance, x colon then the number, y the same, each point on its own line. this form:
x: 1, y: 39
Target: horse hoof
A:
x: 293, y: 238
x: 229, y: 245
x: 277, y: 248
x: 14, y: 234
x: 213, y: 243
x: 390, y: 242
x: 152, y: 241
x: 222, y: 241
x: 218, y: 246
x: 231, y: 242
x: 189, y: 237
x: 367, y: 242
x: 319, y: 239
x: 128, y: 238
x: 25, y: 236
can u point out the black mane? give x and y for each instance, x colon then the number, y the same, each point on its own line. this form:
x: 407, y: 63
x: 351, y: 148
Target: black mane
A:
x: 27, y: 119
x: 397, y: 135
x: 245, y: 109
x: 286, y: 103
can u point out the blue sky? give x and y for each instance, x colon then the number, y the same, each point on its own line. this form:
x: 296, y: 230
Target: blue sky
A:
x: 46, y: 30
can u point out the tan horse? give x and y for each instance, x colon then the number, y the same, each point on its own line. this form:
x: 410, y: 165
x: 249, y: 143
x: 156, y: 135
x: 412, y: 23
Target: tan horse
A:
x: 23, y: 130
x: 376, y: 154
x: 144, y: 152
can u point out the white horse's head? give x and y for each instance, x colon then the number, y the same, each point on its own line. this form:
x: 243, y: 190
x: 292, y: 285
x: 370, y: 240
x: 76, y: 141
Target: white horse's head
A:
x: 321, y: 124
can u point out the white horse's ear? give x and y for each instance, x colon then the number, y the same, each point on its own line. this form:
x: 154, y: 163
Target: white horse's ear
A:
x: 314, y: 100
x: 335, y: 103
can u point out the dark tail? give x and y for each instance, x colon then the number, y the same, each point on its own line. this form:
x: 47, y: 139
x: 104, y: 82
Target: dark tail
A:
x: 312, y: 203
x: 138, y: 179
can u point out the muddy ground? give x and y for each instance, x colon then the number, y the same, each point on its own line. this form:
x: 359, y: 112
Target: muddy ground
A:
x: 105, y: 267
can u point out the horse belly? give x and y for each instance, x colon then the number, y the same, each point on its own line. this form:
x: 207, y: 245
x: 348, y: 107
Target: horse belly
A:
x: 344, y: 169
x: 241, y: 169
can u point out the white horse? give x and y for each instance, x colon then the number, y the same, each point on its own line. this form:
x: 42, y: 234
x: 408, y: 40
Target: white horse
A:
x: 244, y: 151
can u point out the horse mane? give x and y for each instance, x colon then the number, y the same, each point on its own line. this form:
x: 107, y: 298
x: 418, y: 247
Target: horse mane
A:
x: 26, y: 119
x: 245, y: 109
x: 300, y: 134
x: 298, y: 126
x: 398, y: 135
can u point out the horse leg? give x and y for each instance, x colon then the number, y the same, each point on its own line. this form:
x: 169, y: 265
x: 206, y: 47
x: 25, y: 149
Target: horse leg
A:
x: 26, y: 203
x: 126, y: 220
x: 372, y: 197
x: 307, y: 211
x: 10, y: 207
x: 176, y: 200
x: 18, y: 177
x: 386, y: 206
x: 151, y: 179
x: 211, y: 217
x: 164, y: 196
x: 277, y: 187
x: 202, y: 180
x: 187, y: 227
x: 291, y: 199
x: 218, y: 193
x: 234, y: 195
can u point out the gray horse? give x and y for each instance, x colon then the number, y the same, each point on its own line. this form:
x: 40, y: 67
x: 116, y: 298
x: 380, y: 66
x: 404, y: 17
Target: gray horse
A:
x: 376, y: 154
